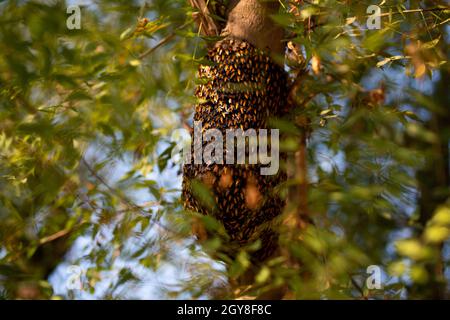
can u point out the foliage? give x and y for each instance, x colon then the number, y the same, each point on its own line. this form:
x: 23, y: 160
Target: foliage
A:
x: 86, y: 174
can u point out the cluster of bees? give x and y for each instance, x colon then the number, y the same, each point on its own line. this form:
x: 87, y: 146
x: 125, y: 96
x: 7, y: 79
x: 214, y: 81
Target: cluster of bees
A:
x: 241, y: 87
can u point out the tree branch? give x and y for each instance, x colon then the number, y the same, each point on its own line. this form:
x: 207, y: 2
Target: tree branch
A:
x: 206, y: 23
x: 131, y: 205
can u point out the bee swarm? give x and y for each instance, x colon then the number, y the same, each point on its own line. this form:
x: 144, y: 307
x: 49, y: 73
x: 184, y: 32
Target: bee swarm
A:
x: 242, y: 88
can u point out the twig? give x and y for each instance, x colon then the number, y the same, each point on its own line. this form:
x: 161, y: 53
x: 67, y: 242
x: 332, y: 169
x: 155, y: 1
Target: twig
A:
x: 162, y: 42
x: 410, y: 11
x: 207, y: 26
x: 358, y: 287
x: 302, y: 176
x: 55, y: 236
x: 123, y: 198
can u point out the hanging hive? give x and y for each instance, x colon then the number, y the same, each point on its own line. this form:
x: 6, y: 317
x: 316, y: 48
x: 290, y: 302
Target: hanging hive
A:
x: 242, y: 88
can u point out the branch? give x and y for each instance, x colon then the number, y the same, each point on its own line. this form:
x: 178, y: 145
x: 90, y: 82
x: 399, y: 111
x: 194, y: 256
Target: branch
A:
x: 301, y: 170
x: 358, y: 287
x: 57, y: 235
x: 161, y: 43
x: 131, y: 205
x: 411, y: 11
x: 206, y: 24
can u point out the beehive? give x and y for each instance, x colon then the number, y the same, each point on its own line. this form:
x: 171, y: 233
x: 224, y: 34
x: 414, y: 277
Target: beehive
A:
x: 242, y: 87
